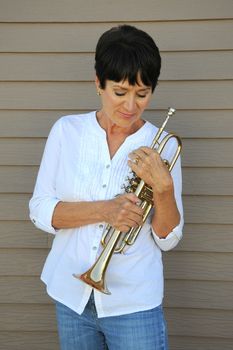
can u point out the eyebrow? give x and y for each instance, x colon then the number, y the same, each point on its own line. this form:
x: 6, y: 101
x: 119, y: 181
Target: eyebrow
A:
x: 124, y: 88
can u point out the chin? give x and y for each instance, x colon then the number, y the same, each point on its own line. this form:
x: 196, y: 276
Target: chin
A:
x: 126, y: 123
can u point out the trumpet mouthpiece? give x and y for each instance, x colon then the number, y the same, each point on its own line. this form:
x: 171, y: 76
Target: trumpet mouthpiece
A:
x: 171, y: 111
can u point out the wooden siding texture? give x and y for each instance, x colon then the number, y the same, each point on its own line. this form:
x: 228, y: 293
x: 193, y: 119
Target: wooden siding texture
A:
x: 46, y: 71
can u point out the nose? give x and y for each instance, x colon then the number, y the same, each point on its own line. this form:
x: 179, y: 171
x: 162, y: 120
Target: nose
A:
x: 130, y: 104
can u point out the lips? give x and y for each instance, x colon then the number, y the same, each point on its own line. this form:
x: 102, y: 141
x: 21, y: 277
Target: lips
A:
x: 127, y: 115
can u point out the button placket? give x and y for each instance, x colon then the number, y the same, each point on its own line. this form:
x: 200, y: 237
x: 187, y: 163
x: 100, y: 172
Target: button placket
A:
x: 106, y: 176
x: 96, y: 242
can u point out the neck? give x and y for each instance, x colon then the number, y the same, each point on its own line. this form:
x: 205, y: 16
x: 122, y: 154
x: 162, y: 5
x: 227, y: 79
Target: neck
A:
x: 112, y: 129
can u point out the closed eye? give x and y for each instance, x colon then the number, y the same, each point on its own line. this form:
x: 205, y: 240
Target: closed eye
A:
x: 119, y: 93
x: 123, y: 94
x: 142, y: 96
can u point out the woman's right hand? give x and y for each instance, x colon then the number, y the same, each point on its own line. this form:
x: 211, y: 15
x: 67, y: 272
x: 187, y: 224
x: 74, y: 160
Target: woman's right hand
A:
x: 123, y: 212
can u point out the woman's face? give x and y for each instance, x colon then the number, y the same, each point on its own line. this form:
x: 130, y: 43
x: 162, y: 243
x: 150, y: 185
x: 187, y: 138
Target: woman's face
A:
x: 122, y: 103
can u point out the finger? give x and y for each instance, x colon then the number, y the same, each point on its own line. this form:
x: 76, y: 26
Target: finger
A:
x: 133, y: 220
x: 133, y: 165
x: 133, y: 157
x: 146, y: 150
x: 134, y: 208
x: 130, y: 209
x: 124, y: 228
x: 132, y: 198
x: 141, y: 153
x: 138, y: 153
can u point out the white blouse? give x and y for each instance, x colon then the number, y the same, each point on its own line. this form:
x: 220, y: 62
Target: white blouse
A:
x: 76, y: 166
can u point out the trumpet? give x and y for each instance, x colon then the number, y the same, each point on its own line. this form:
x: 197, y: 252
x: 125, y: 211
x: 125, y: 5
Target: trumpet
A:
x: 113, y: 240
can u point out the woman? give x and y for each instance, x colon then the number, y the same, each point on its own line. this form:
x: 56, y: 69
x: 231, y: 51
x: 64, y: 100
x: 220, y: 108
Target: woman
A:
x: 85, y: 162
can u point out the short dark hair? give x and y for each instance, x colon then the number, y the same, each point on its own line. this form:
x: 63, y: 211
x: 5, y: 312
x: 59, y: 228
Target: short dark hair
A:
x: 124, y: 51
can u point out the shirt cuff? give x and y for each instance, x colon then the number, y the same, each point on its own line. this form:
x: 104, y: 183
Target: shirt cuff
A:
x: 43, y: 219
x: 171, y: 240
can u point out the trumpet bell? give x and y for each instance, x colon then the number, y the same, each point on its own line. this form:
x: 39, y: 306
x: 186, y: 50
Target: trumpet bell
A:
x: 93, y: 281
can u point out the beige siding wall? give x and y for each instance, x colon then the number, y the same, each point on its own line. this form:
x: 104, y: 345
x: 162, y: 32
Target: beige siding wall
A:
x: 46, y: 70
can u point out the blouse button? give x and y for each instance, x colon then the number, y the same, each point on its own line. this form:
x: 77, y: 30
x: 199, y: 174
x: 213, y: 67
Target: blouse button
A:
x: 101, y: 226
x: 108, y: 166
x: 104, y: 186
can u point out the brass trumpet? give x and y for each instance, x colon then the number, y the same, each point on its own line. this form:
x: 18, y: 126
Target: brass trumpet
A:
x: 113, y: 240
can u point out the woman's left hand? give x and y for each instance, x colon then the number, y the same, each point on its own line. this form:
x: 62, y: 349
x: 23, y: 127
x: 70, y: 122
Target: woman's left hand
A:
x: 149, y: 166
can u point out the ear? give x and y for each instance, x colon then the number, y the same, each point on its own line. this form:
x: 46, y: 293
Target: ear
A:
x: 97, y: 83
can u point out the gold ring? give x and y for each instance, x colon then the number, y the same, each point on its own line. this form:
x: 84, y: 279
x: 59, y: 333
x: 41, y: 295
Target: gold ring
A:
x: 136, y: 160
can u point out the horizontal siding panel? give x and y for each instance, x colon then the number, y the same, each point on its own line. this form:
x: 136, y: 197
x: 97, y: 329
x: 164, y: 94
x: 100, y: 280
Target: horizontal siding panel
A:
x: 178, y: 265
x: 14, y: 207
x: 80, y: 66
x: 185, y: 123
x: 47, y: 67
x: 196, y: 181
x: 199, y: 294
x: 198, y: 266
x: 199, y: 65
x: 207, y: 238
x: 178, y: 293
x: 22, y: 262
x: 50, y: 95
x: 17, y: 179
x: 200, y: 323
x: 27, y: 317
x: 82, y: 37
x: 54, y: 11
x: 200, y: 343
x: 195, y: 153
x: 24, y: 340
x: 29, y: 123
x: 196, y: 238
x: 22, y: 290
x: 207, y: 153
x: 21, y: 234
x: 198, y: 209
x: 21, y: 151
x: 208, y: 209
x: 209, y: 181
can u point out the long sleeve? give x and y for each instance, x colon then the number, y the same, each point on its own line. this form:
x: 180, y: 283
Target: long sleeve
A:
x: 44, y: 200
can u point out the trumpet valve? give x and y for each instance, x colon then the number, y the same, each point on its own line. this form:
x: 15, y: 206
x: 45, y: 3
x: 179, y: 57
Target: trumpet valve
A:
x: 129, y: 189
x: 147, y: 194
x: 127, y: 179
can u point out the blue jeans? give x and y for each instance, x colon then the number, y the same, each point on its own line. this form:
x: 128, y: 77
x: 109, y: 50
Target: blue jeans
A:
x: 143, y: 330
